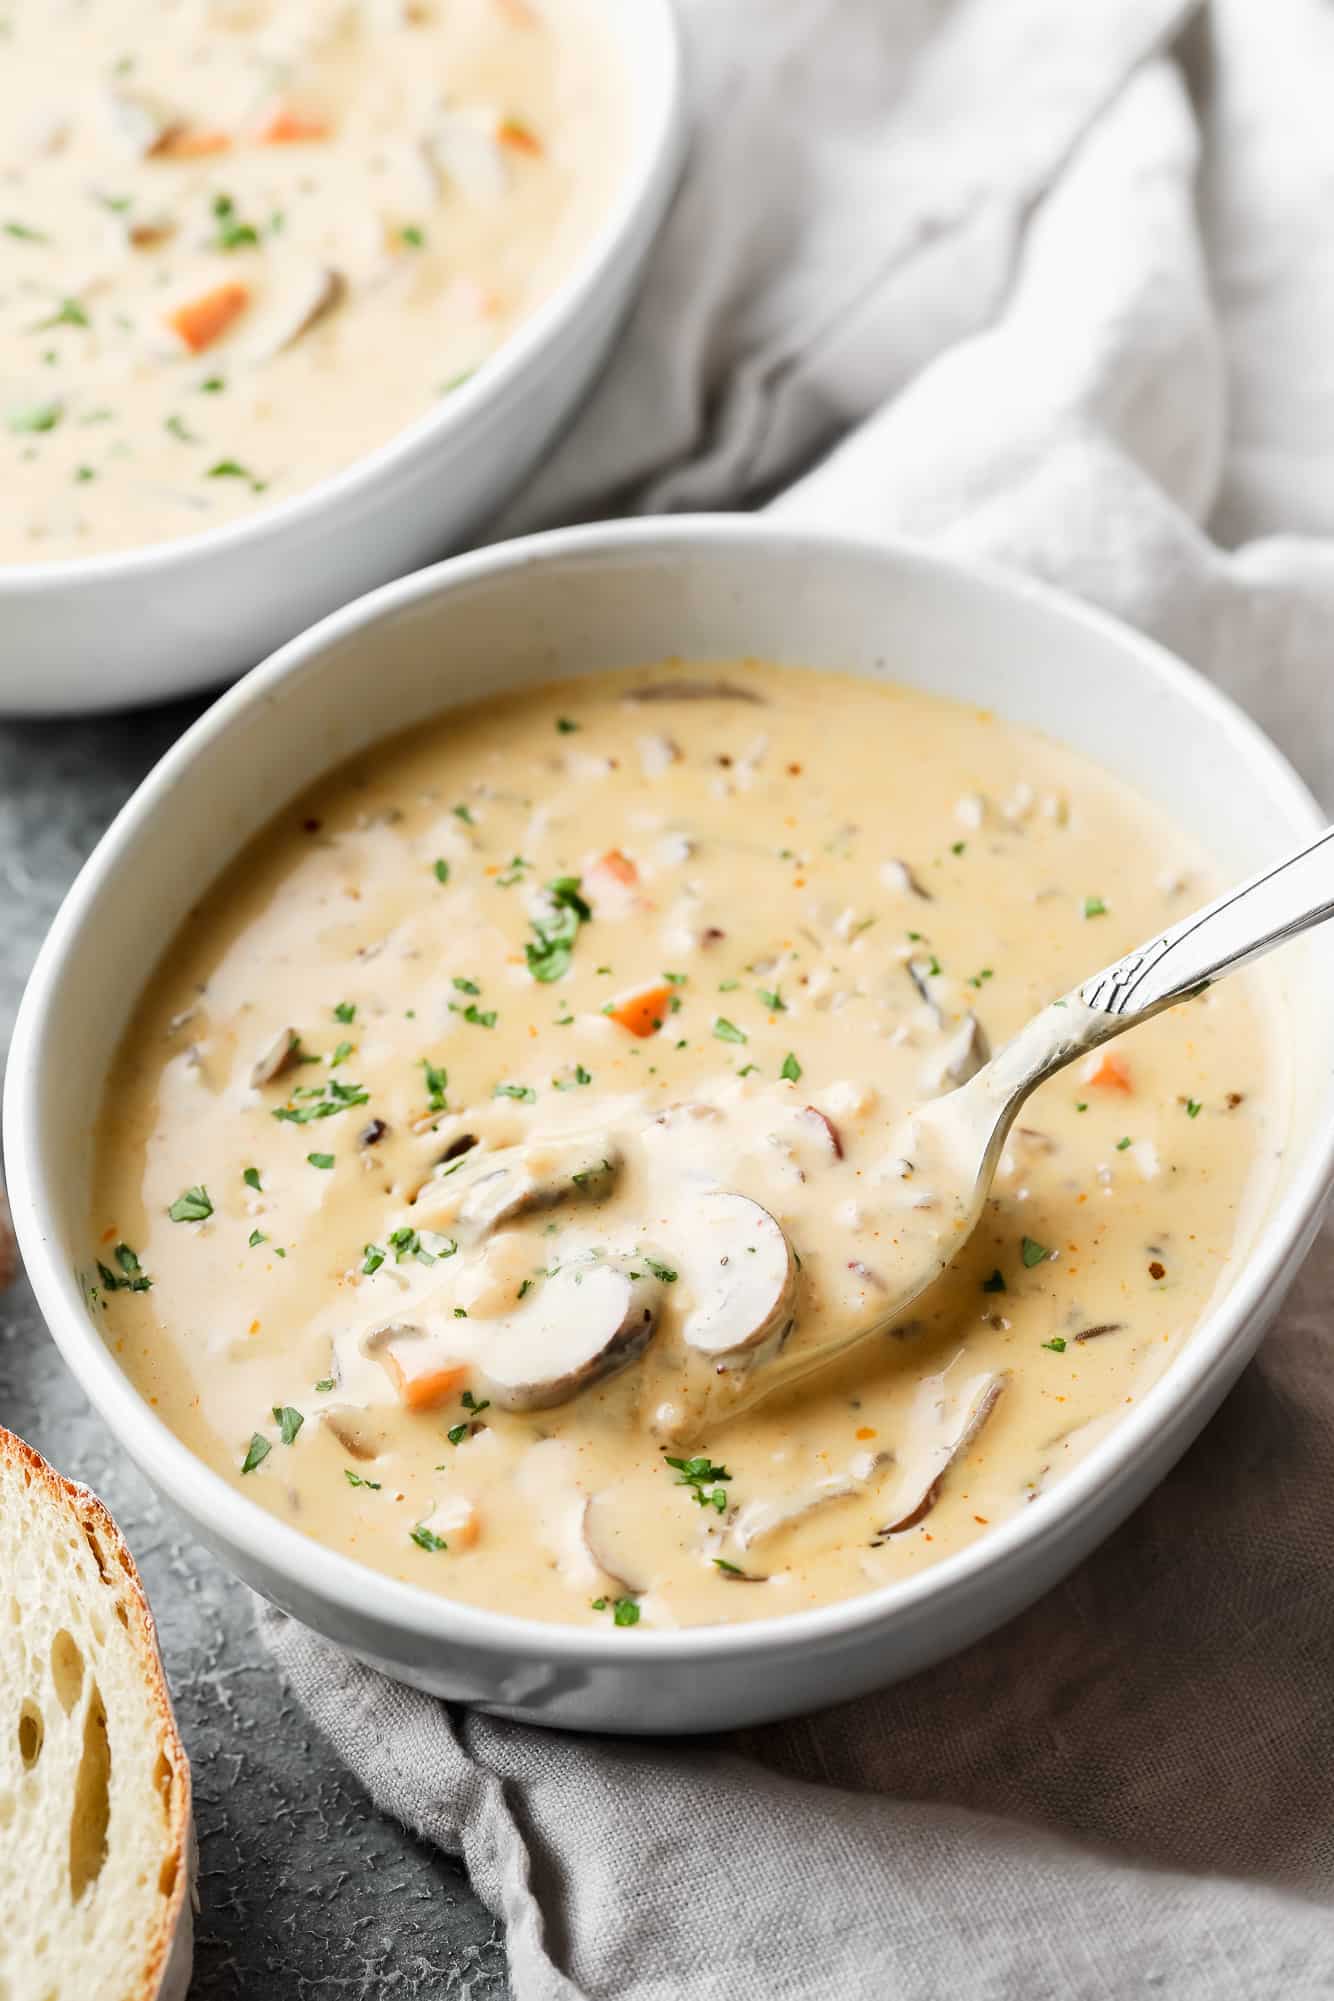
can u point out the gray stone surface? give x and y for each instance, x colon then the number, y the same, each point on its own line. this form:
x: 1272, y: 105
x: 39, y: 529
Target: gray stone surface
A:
x: 306, y: 1890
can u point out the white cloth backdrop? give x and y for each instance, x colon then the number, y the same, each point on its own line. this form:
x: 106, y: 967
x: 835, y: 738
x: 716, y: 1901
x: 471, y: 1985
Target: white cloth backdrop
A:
x: 1070, y: 268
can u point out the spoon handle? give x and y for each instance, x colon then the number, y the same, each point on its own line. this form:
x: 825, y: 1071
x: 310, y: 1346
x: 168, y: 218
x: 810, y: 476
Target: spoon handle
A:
x: 1272, y: 907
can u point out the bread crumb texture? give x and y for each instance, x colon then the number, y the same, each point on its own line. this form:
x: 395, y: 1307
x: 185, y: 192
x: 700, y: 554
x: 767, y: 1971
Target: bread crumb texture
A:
x: 96, y: 1847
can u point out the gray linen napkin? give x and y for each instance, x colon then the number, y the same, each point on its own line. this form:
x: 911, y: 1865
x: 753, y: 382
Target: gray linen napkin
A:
x: 1080, y: 296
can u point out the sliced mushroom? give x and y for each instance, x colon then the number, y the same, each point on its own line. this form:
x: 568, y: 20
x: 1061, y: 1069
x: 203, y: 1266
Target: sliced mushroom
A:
x: 495, y: 1187
x: 757, y: 1520
x: 587, y: 1320
x: 743, y: 1276
x: 608, y: 1535
x: 941, y: 1427
x: 360, y: 1434
x: 695, y: 691
x: 304, y: 295
x: 821, y: 1123
x: 279, y: 1055
x: 962, y: 1057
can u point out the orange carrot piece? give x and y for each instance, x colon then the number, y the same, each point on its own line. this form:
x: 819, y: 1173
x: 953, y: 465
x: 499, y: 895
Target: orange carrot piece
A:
x: 199, y: 322
x: 286, y: 126
x: 643, y: 1011
x: 519, y: 12
x: 520, y: 138
x: 428, y: 1387
x: 618, y: 866
x: 1109, y: 1072
x: 193, y: 142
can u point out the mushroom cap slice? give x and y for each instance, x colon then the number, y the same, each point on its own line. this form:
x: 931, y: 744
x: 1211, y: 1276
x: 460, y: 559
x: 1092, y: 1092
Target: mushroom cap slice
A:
x: 495, y: 1187
x: 303, y: 295
x: 743, y: 1276
x: 757, y: 1520
x: 942, y: 1426
x: 587, y: 1320
x: 609, y: 1538
x: 274, y: 1058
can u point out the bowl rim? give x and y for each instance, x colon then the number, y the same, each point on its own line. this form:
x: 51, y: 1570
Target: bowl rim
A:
x: 365, y: 1596
x: 656, y: 148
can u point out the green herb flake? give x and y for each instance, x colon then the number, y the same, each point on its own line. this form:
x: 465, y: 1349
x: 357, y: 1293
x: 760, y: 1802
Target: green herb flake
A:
x: 288, y: 1421
x: 727, y: 1031
x: 791, y: 1070
x: 480, y: 1017
x: 345, y: 1011
x: 578, y: 1076
x: 625, y: 1612
x: 458, y: 1432
x: 1033, y: 1253
x: 250, y: 1176
x: 463, y: 986
x: 212, y: 385
x: 1094, y: 907
x: 131, y: 1276
x: 359, y: 1480
x: 565, y: 727
x: 69, y: 313
x: 463, y: 813
x: 729, y: 1569
x: 523, y: 1094
x: 22, y: 234
x: 257, y: 1452
x: 321, y: 1101
x: 427, y: 1538
x: 1193, y: 1108
x: 36, y: 417
x: 996, y: 1283
x: 772, y: 999
x: 957, y: 847
x: 437, y: 1083
x: 341, y: 1054
x: 256, y: 1238
x: 1082, y: 1107
x: 440, y: 869
x: 1122, y: 1144
x: 661, y: 1271
x: 704, y: 1479
x: 321, y: 1160
x: 1056, y: 1344
x: 325, y: 1383
x: 192, y: 1206
x: 413, y: 235
x: 548, y: 951
x: 372, y: 1258
x: 177, y: 427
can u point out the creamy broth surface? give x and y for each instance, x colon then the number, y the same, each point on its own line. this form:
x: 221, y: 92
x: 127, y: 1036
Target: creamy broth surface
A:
x: 244, y: 242
x: 540, y: 1072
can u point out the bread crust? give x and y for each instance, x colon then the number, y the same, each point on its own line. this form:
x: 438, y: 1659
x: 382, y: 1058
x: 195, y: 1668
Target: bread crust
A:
x: 166, y: 1974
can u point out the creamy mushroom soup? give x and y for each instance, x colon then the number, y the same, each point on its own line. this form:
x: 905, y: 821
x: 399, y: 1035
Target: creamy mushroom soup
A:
x: 243, y: 242
x: 540, y: 1073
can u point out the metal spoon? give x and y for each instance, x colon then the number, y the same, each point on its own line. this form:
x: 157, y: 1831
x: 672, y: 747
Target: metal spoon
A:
x: 955, y: 1142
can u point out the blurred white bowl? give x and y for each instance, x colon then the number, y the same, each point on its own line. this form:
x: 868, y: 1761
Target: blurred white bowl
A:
x: 571, y: 603
x: 141, y: 625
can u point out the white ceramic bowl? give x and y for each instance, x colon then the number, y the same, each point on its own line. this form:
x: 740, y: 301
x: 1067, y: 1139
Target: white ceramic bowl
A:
x: 566, y: 603
x: 139, y: 625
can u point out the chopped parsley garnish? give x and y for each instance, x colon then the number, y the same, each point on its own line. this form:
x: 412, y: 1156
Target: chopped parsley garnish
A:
x: 250, y: 1176
x: 463, y: 813
x: 1033, y: 1253
x: 469, y: 1402
x: 321, y: 1101
x: 1122, y: 1144
x: 458, y: 1432
x: 130, y: 1278
x: 232, y: 234
x: 1082, y: 1106
x: 480, y: 1017
x: 358, y: 1480
x: 591, y: 1174
x: 177, y: 427
x: 212, y: 385
x: 1056, y: 1344
x: 36, y: 417
x: 727, y: 1031
x: 440, y: 869
x: 514, y: 873
x: 22, y: 234
x: 406, y: 1243
x: 345, y: 1011
x: 192, y: 1206
x: 662, y: 1272
x: 791, y: 1070
x: 1193, y: 1108
x: 979, y: 979
x: 731, y: 1569
x: 288, y: 1421
x: 414, y: 236
x: 625, y: 1612
x: 437, y: 1082
x: 564, y: 726
x: 256, y: 1238
x: 577, y: 1077
x: 257, y: 1452
x: 676, y: 979
x: 341, y: 1054
x: 427, y: 1538
x: 373, y: 1258
x: 704, y: 1480
x: 69, y: 314
x: 772, y: 999
x: 325, y: 1383
x: 728, y: 986
x: 548, y: 951
x: 233, y: 469
x: 523, y: 1094
x: 462, y: 986
x: 1094, y: 907
x: 996, y: 1283
x: 322, y: 1160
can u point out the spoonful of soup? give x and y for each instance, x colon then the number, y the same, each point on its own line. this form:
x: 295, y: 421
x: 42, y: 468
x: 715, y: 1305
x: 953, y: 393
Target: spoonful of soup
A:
x: 952, y: 1144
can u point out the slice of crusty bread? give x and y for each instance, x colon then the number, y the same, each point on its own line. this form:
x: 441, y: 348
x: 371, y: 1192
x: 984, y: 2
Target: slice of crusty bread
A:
x: 96, y: 1844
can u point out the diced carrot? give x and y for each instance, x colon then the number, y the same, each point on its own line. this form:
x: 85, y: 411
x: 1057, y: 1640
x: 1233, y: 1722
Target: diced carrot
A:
x: 618, y: 866
x: 643, y: 1011
x: 425, y: 1388
x: 1109, y: 1072
x: 520, y: 138
x: 194, y: 142
x: 199, y: 322
x: 286, y: 126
